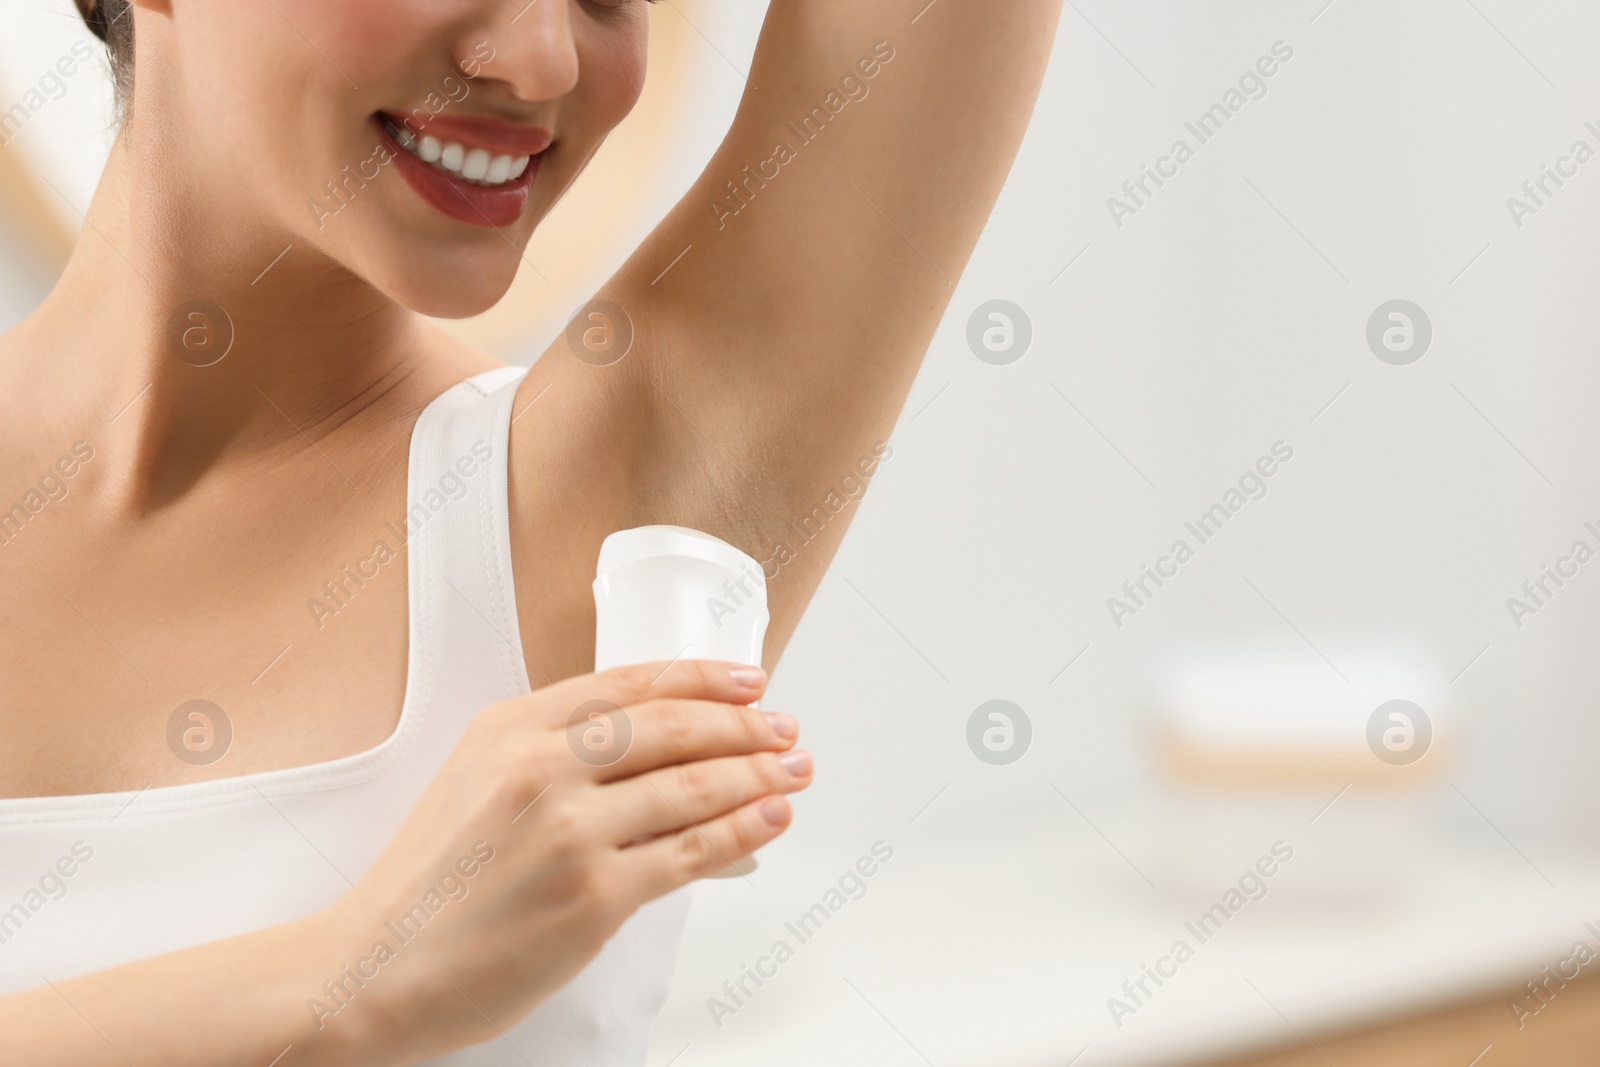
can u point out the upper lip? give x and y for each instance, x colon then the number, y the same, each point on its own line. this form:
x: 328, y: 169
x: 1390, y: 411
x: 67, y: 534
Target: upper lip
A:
x: 492, y: 135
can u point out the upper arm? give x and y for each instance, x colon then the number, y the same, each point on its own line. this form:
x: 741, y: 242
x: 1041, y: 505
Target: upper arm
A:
x: 783, y: 307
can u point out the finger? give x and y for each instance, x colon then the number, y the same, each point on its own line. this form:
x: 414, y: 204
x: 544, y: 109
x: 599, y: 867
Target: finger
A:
x: 688, y: 795
x: 664, y: 863
x: 694, y: 679
x: 659, y: 733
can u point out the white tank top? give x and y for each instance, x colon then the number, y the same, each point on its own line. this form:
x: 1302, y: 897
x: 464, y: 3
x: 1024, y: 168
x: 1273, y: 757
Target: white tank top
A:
x: 92, y: 881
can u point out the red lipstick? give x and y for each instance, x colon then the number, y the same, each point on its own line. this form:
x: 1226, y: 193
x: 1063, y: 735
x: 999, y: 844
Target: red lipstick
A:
x: 462, y: 200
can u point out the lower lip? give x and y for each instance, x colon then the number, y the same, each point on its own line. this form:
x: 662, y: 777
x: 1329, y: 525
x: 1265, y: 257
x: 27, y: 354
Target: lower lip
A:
x: 479, y: 205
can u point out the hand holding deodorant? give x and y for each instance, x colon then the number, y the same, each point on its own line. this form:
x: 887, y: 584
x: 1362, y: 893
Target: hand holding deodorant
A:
x: 666, y: 593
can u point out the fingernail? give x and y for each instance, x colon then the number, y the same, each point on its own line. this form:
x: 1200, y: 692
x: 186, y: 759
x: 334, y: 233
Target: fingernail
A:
x: 747, y: 677
x: 775, y: 811
x: 785, y: 726
x: 797, y: 763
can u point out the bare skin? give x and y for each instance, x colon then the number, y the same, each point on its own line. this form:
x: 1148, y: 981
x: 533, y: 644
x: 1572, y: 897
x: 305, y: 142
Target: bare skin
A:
x: 768, y: 362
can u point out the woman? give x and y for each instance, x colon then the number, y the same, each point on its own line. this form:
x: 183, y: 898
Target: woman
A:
x: 228, y: 423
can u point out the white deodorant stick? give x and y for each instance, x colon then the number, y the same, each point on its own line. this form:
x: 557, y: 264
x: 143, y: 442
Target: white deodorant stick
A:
x: 667, y: 593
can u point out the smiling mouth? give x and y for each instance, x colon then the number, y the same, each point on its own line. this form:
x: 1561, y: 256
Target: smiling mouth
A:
x: 475, y: 170
x: 461, y: 161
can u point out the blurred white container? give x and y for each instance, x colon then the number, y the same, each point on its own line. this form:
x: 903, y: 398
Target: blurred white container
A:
x: 1257, y: 747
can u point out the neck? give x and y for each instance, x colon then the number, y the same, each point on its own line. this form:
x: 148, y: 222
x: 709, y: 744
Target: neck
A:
x: 195, y: 338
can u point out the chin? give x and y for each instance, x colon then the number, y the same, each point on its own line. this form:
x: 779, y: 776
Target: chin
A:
x: 456, y: 294
x: 424, y: 267
x: 435, y: 222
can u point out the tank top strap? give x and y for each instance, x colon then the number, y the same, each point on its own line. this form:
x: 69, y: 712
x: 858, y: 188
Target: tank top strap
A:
x: 467, y: 655
x: 466, y: 646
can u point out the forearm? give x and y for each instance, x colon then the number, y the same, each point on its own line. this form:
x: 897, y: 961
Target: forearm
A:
x: 244, y: 1000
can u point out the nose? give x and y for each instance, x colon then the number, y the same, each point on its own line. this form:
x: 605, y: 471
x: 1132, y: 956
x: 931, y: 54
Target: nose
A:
x: 530, y: 51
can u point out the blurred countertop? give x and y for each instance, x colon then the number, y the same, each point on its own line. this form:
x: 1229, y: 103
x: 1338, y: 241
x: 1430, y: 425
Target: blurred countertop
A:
x: 983, y: 941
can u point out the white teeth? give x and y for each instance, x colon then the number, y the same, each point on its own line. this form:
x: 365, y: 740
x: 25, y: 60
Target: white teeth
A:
x: 474, y: 165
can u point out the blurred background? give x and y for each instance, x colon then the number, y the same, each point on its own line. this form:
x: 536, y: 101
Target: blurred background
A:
x: 1323, y: 748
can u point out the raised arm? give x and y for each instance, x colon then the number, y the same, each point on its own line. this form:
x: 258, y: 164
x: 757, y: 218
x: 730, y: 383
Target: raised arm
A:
x: 819, y: 250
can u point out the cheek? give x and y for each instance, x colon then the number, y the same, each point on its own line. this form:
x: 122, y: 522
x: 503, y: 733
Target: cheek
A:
x: 373, y: 42
x: 365, y: 43
x: 280, y: 115
x: 613, y: 74
x: 303, y: 67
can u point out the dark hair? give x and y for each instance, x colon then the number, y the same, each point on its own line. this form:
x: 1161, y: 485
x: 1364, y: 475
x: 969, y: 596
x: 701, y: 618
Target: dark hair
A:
x: 109, y: 21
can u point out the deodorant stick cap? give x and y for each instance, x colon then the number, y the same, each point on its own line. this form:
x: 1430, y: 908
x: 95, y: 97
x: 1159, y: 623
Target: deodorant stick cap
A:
x: 667, y: 592
x: 644, y: 542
